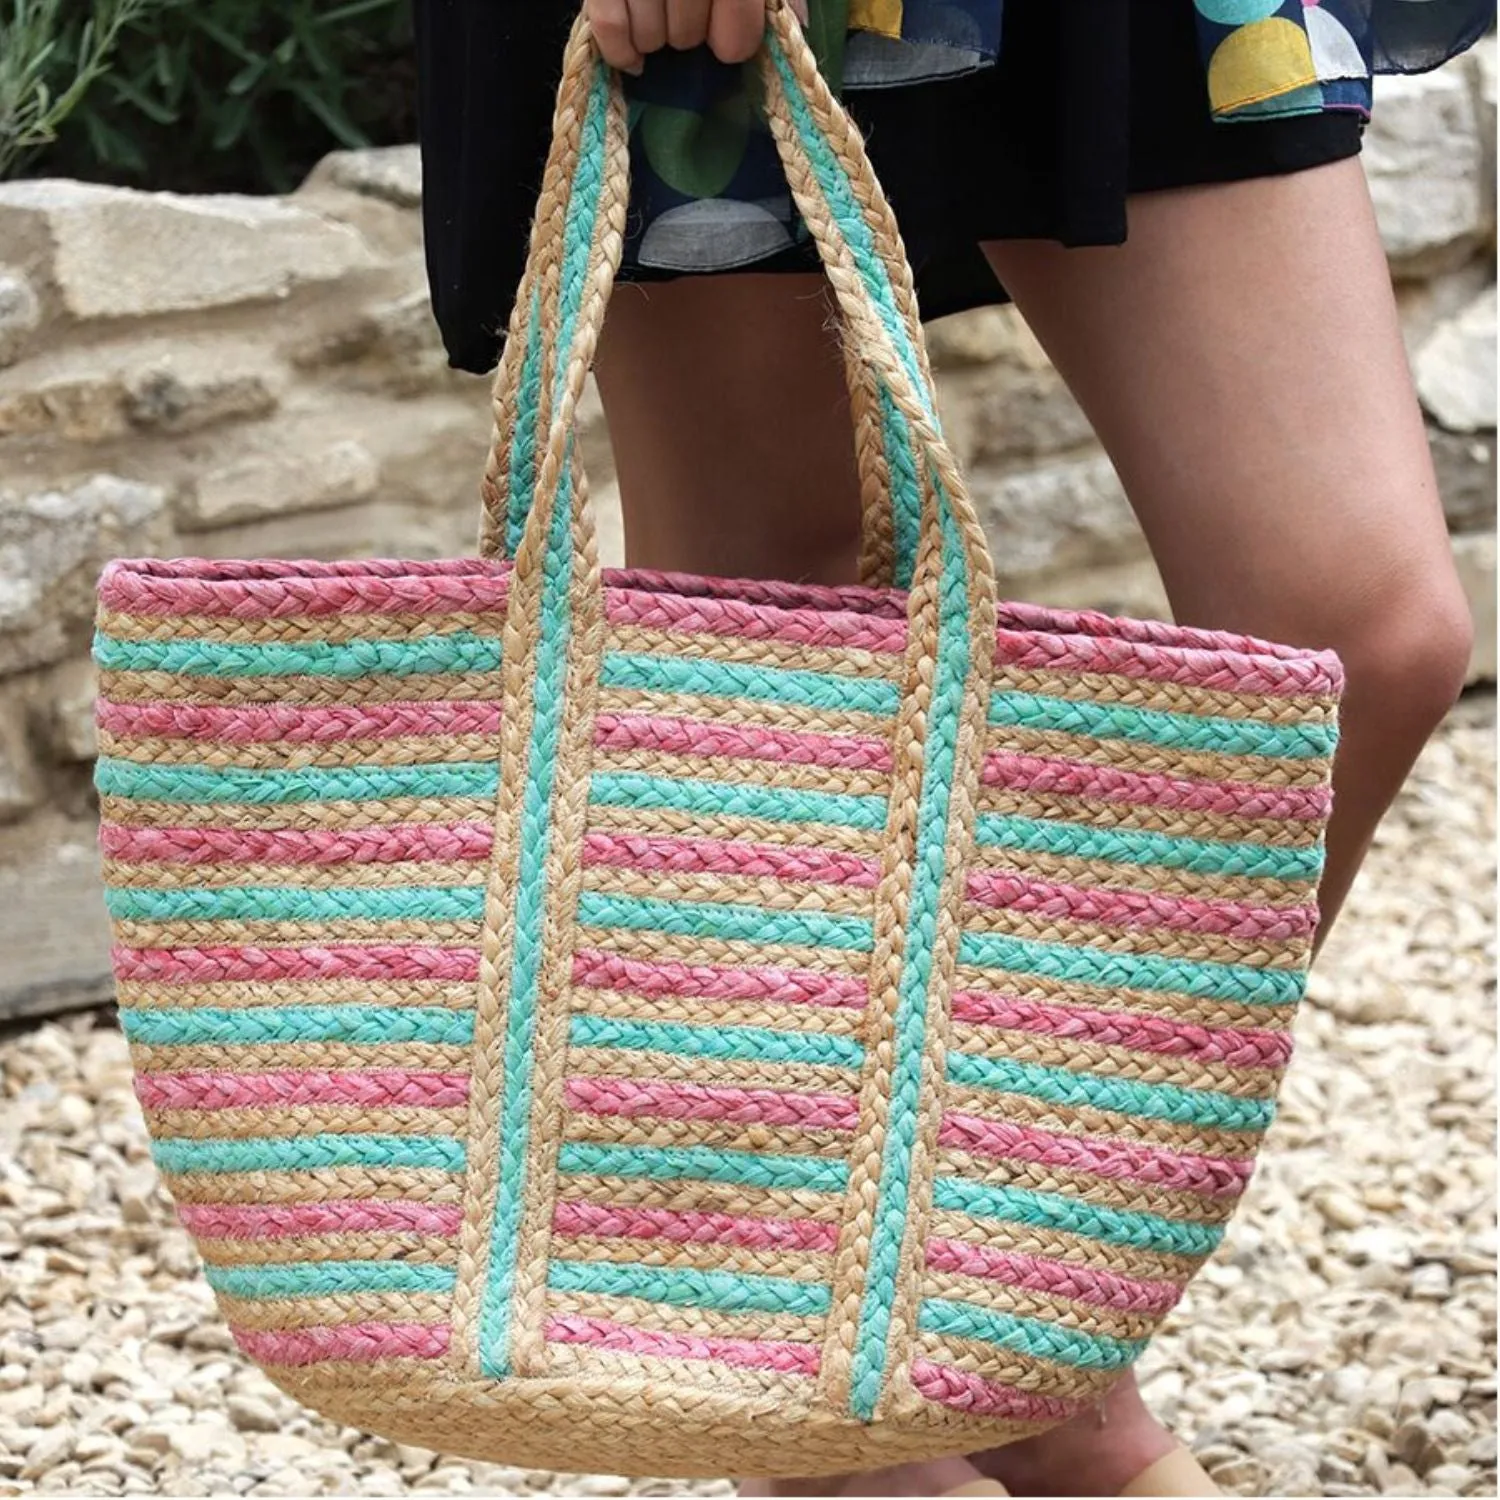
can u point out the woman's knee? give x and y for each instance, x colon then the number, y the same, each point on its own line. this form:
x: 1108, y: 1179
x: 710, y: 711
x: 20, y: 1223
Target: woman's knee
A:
x: 1406, y: 647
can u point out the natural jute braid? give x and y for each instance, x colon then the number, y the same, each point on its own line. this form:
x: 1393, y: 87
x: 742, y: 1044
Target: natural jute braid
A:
x: 691, y: 1026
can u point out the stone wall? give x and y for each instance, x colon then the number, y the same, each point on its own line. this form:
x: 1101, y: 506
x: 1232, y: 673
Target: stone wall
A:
x: 232, y: 377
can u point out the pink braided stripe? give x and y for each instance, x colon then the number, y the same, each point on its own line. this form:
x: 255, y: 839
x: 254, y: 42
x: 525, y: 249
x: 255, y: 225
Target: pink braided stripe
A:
x: 983, y: 1398
x: 688, y: 856
x: 606, y: 971
x: 361, y: 1342
x: 301, y: 1086
x: 1240, y: 1049
x: 696, y: 1101
x: 320, y: 846
x: 1001, y: 890
x: 1038, y: 1274
x: 1244, y: 799
x: 789, y: 1359
x: 740, y: 741
x: 688, y: 1227
x: 1208, y: 1176
x: 254, y: 1221
x: 1029, y: 636
x: 375, y: 961
x: 272, y: 723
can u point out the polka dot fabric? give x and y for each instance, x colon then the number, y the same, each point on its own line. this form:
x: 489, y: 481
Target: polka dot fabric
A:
x: 667, y: 1025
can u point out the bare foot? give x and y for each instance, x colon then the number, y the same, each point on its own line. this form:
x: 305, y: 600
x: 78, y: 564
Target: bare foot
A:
x: 937, y: 1477
x: 1097, y: 1452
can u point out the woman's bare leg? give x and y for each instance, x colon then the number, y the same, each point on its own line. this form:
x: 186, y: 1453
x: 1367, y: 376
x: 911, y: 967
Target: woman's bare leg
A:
x: 1241, y: 361
x: 730, y: 421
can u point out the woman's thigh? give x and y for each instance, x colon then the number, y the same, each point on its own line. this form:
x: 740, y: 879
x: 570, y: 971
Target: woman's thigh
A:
x: 730, y: 420
x: 1241, y: 360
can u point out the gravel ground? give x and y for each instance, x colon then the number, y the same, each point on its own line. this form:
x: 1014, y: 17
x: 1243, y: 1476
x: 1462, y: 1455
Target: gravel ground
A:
x: 1341, y: 1343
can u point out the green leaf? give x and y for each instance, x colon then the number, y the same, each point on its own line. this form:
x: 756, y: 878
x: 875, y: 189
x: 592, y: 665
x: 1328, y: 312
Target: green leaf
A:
x: 828, y: 33
x: 338, y: 125
x: 153, y: 109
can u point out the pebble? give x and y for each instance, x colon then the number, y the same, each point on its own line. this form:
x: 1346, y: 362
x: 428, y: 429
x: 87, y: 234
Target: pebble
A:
x: 1340, y: 1343
x: 1341, y: 1209
x: 251, y: 1414
x: 47, y: 1453
x: 1432, y: 1282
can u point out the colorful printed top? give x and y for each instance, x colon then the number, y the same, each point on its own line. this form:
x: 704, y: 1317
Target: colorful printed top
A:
x: 708, y: 192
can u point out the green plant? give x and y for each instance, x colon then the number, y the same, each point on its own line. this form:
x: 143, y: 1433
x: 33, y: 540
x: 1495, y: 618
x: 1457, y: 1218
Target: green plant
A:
x: 238, y: 94
x: 48, y: 63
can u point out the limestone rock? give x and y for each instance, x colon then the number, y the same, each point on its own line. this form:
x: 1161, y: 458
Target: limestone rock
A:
x: 1465, y: 466
x: 391, y: 173
x: 20, y: 790
x: 1061, y: 516
x: 1011, y: 416
x: 1425, y: 165
x: 156, y: 386
x: 981, y: 337
x: 1482, y: 63
x: 20, y: 313
x: 175, y: 396
x: 273, y: 483
x: 53, y: 929
x: 52, y: 547
x: 84, y: 408
x: 392, y: 347
x: 109, y: 252
x: 1475, y: 556
x: 1455, y: 368
x: 68, y: 719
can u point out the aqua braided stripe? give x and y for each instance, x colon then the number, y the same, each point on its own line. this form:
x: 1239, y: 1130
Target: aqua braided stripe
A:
x: 291, y: 903
x: 682, y: 1286
x: 329, y: 1278
x: 742, y: 1043
x: 521, y: 481
x: 704, y: 1164
x: 459, y: 651
x: 463, y: 651
x: 733, y: 799
x: 535, y: 823
x: 1122, y: 846
x: 722, y: 679
x: 158, y: 783
x: 714, y: 919
x: 1126, y: 1096
x: 1114, y: 1226
x: 1055, y: 1341
x: 478, y: 779
x: 1198, y: 977
x: 308, y: 1153
x: 273, y: 1025
x: 906, y: 491
x: 950, y: 683
x: 1152, y: 726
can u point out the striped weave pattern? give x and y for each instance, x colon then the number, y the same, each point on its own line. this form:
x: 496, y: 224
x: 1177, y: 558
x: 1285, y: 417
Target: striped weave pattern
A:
x: 674, y: 1025
x: 297, y: 886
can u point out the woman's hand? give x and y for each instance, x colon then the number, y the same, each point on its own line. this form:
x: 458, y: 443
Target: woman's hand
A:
x: 628, y: 29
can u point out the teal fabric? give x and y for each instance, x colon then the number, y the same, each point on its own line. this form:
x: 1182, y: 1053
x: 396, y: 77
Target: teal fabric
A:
x: 1152, y: 1101
x: 1115, y: 1226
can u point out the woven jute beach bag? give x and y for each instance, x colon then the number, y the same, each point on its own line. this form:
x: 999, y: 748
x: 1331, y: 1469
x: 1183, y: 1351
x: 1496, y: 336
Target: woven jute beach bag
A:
x: 672, y: 1025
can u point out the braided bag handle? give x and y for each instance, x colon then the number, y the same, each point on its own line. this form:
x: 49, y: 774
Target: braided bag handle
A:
x: 891, y: 520
x: 536, y: 501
